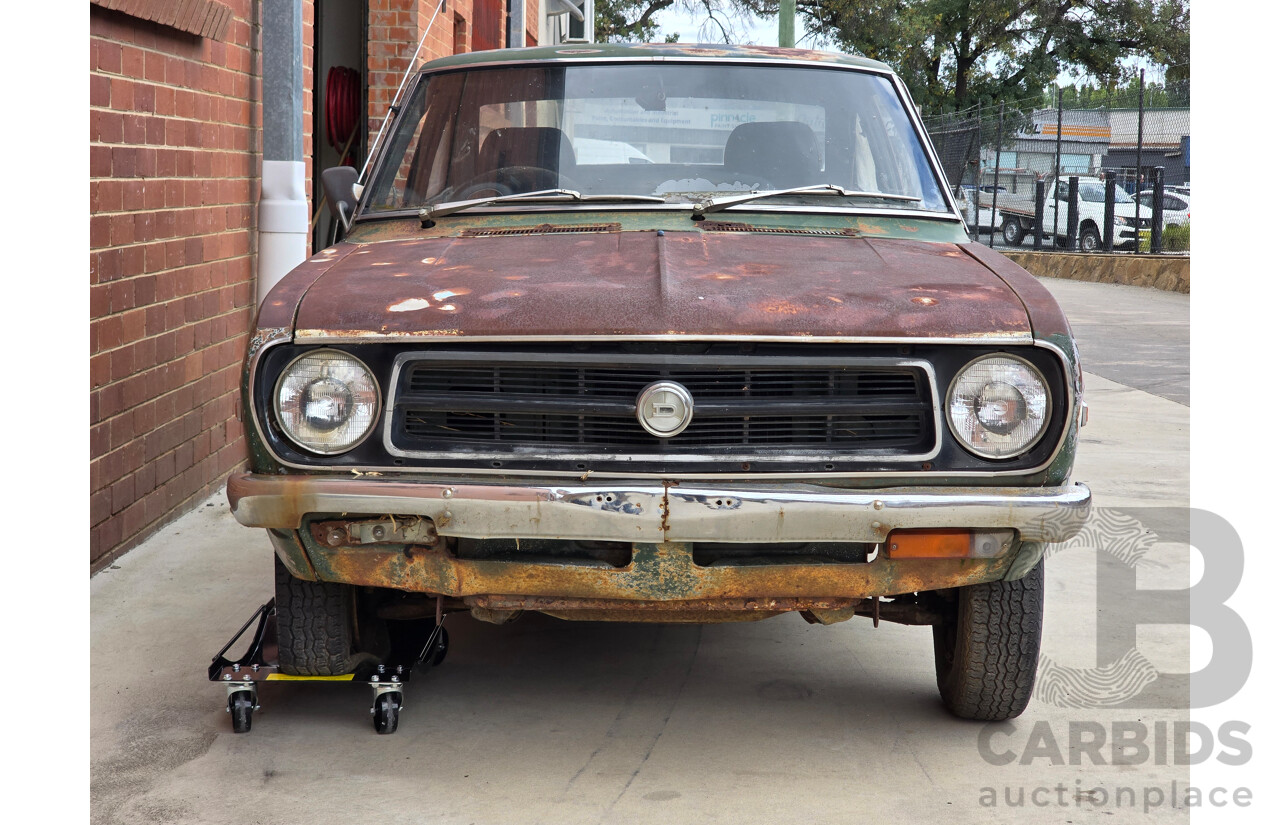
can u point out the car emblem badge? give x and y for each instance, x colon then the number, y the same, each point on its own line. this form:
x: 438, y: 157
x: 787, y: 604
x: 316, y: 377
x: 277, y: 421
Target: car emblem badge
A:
x: 664, y: 408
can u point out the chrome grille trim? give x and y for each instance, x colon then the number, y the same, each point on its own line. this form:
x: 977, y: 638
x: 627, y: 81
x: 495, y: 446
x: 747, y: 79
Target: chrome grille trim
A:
x: 619, y: 402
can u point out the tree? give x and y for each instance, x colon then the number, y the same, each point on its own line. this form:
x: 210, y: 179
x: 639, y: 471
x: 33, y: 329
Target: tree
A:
x: 955, y: 53
x: 633, y: 20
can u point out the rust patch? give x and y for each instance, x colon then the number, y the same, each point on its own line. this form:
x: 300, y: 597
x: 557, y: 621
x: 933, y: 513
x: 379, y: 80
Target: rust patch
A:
x: 665, y: 573
x: 782, y: 308
x: 262, y: 337
x: 693, y: 283
x: 686, y: 605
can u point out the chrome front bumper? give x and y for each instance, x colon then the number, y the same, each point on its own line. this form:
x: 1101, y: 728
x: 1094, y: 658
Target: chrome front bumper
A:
x: 656, y: 513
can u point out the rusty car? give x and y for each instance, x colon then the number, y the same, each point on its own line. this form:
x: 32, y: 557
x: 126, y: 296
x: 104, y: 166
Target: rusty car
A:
x: 747, y: 364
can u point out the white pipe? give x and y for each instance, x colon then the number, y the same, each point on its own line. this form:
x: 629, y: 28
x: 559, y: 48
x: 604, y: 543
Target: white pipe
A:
x: 282, y: 222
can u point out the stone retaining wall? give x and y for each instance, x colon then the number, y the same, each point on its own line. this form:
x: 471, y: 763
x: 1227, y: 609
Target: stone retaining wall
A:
x: 1168, y: 272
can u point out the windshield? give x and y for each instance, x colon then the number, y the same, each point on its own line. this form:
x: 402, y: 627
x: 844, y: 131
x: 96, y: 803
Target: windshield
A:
x: 680, y: 132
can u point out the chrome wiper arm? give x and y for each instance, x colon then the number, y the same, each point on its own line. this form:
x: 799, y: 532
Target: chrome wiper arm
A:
x: 440, y: 210
x: 716, y: 204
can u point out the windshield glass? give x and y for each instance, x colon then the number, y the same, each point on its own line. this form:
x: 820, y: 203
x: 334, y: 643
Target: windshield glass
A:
x: 681, y: 132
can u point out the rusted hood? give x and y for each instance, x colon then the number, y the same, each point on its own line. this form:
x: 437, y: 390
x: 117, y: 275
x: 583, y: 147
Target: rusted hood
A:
x: 652, y: 283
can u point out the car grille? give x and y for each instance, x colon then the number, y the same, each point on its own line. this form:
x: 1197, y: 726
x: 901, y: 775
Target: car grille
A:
x: 558, y: 406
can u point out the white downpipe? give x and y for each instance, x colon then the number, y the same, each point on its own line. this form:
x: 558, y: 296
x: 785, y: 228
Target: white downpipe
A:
x: 282, y: 222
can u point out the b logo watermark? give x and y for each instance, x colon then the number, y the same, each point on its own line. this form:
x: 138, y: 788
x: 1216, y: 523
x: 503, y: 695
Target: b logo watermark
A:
x: 1122, y: 676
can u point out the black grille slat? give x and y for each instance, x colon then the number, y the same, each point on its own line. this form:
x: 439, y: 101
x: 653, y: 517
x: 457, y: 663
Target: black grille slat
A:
x: 516, y: 429
x: 561, y: 408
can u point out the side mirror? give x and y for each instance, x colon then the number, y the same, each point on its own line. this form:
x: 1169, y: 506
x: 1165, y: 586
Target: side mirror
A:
x: 339, y: 185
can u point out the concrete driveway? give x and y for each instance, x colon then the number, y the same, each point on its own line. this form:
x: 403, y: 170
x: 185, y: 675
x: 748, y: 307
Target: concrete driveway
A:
x: 543, y: 721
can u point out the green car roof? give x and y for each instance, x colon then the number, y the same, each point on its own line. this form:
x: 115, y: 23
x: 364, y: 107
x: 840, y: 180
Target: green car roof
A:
x: 650, y: 51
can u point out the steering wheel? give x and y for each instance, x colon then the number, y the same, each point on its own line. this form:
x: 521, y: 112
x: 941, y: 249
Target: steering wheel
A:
x: 513, y: 180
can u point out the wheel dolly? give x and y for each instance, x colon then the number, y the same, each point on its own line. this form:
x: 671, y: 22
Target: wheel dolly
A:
x: 387, y: 679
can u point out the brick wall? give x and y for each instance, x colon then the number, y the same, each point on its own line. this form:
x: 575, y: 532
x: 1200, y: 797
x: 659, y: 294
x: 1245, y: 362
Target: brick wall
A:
x: 175, y: 178
x: 175, y: 165
x: 395, y: 27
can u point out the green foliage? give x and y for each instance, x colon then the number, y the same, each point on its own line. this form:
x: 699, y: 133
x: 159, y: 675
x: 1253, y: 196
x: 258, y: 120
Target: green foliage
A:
x: 953, y: 54
x: 623, y: 20
x: 1176, y: 238
x: 633, y: 20
x: 1122, y: 95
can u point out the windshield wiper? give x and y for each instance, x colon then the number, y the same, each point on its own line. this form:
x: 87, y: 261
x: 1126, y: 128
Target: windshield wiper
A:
x: 716, y: 204
x: 439, y: 210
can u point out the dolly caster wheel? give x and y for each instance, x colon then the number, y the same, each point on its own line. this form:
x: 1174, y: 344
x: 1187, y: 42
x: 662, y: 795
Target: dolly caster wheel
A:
x: 240, y: 706
x: 386, y: 712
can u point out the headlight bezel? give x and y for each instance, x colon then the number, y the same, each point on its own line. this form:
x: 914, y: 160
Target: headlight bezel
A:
x: 1046, y: 419
x: 292, y: 437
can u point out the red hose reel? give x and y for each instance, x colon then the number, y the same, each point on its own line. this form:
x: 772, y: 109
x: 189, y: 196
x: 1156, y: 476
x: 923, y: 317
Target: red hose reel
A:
x: 342, y: 110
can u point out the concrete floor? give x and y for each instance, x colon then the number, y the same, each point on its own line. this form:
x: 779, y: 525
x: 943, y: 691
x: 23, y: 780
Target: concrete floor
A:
x: 545, y: 721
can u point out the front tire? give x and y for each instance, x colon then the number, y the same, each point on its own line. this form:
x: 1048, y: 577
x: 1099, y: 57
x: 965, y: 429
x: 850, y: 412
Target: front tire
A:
x: 1012, y: 231
x: 1089, y: 239
x: 320, y: 627
x: 986, y: 652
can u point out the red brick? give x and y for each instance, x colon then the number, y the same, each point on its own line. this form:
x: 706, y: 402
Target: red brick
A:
x: 99, y: 232
x: 99, y: 90
x: 165, y: 101
x: 108, y: 534
x: 124, y: 162
x: 132, y: 260
x: 132, y: 62
x: 147, y: 163
x: 109, y: 195
x: 155, y: 63
x: 99, y: 507
x: 109, y: 56
x: 99, y: 161
x: 108, y: 332
x: 135, y: 129
x: 121, y: 93
x: 153, y: 194
x: 106, y: 126
x: 131, y: 520
x: 121, y: 230
x: 155, y: 131
x: 121, y: 365
x: 144, y: 97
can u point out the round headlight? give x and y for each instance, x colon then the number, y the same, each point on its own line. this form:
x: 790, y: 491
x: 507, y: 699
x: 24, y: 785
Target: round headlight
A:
x: 326, y: 401
x: 998, y: 406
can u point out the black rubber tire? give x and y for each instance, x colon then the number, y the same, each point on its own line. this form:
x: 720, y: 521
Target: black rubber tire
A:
x: 240, y: 704
x: 317, y: 625
x: 1090, y: 240
x: 1012, y: 232
x: 986, y: 655
x: 386, y: 713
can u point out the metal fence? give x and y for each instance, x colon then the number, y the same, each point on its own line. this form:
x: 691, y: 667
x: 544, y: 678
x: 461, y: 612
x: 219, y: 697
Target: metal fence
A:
x: 1090, y: 170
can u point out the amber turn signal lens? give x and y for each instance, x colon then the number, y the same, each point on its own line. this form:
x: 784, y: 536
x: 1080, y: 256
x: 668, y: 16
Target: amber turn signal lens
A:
x: 929, y: 544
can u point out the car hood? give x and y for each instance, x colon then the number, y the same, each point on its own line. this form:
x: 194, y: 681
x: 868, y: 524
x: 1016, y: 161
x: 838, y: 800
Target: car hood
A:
x: 654, y: 283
